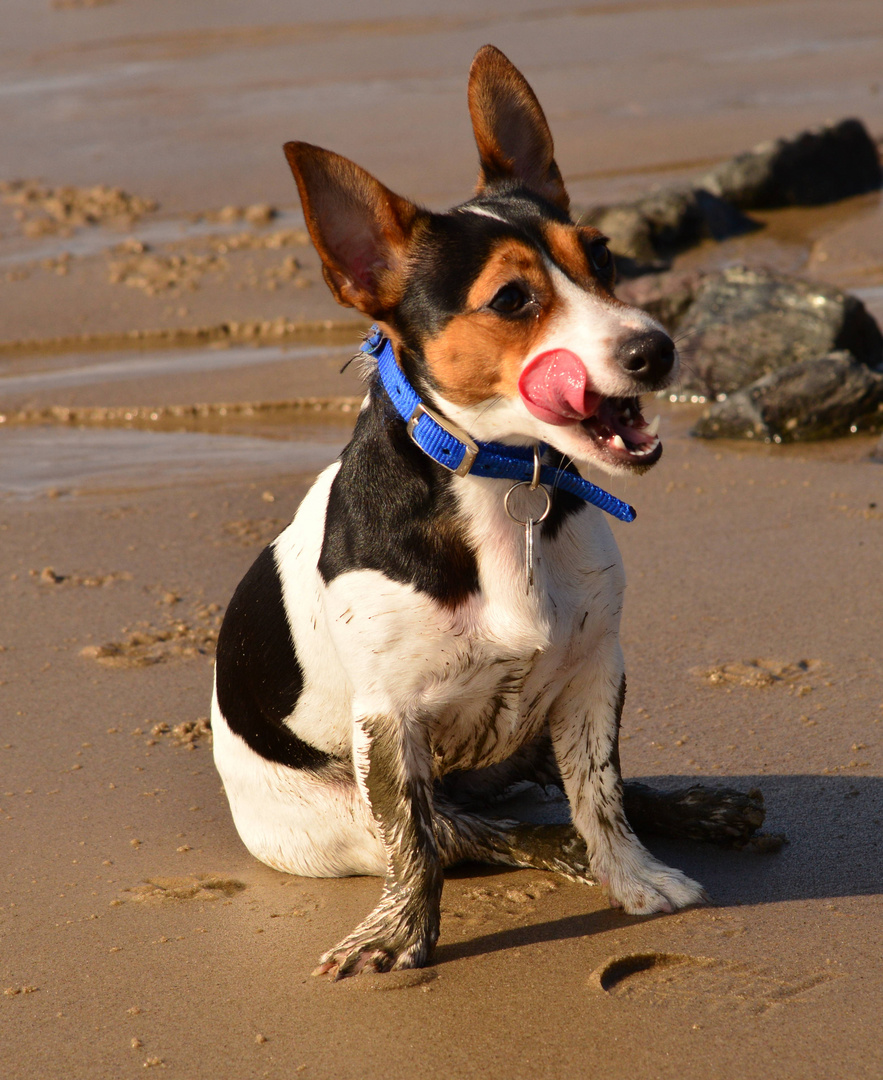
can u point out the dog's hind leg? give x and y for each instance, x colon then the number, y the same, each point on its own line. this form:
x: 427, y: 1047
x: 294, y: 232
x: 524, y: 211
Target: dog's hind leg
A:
x: 468, y: 837
x: 717, y: 815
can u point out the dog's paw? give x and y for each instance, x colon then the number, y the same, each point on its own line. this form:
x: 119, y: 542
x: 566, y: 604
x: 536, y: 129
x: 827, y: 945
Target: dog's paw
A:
x: 351, y: 958
x: 388, y: 940
x: 652, y: 888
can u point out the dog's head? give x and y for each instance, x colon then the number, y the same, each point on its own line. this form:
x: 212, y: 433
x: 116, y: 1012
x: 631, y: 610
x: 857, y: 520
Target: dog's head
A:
x: 501, y: 310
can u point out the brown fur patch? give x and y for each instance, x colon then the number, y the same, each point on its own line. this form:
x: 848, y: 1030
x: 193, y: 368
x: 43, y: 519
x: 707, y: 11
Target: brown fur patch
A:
x: 481, y: 353
x: 569, y: 248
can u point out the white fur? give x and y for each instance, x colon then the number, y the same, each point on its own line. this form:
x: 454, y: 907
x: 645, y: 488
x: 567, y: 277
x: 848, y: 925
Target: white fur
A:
x: 483, y: 212
x: 291, y: 819
x: 593, y: 328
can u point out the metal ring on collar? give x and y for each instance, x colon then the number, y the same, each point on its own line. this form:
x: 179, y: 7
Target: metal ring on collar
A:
x: 529, y: 520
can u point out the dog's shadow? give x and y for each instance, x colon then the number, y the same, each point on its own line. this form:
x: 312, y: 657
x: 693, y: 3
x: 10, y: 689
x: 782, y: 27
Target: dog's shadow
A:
x: 832, y: 824
x: 834, y: 849
x: 572, y: 926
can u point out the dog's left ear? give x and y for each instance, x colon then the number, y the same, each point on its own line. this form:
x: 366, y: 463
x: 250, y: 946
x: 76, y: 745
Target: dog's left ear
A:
x: 513, y: 137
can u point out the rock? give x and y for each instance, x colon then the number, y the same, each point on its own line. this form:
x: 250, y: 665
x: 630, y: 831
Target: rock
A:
x: 878, y: 452
x: 682, y: 217
x: 666, y: 296
x: 664, y: 222
x: 833, y: 162
x: 814, y: 167
x: 627, y: 229
x: 746, y: 323
x: 812, y: 399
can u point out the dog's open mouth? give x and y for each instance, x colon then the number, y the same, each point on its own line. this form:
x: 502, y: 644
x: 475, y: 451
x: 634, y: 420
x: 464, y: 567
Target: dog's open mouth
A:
x: 620, y: 432
x: 555, y: 388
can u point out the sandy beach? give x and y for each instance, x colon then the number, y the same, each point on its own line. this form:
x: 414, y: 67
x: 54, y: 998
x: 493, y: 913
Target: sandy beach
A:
x: 170, y: 383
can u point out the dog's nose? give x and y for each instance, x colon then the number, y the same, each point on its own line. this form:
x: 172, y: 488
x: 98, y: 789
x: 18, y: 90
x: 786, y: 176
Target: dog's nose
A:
x: 649, y: 356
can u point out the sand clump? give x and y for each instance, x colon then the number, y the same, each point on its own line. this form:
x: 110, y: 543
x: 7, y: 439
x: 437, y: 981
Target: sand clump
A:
x: 49, y: 576
x: 164, y: 415
x: 249, y: 241
x: 172, y: 273
x: 44, y: 210
x: 256, y: 214
x: 191, y: 887
x: 759, y: 673
x: 180, y: 270
x: 181, y: 638
x: 187, y: 733
x: 275, y: 331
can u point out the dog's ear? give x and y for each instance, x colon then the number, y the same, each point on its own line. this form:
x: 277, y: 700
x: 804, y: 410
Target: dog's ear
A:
x: 514, y: 141
x: 360, y: 228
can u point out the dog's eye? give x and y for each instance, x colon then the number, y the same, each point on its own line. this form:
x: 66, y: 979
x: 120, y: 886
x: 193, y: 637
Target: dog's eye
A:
x: 599, y: 253
x: 509, y: 299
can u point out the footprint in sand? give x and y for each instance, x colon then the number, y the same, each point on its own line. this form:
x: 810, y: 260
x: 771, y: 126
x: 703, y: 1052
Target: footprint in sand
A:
x: 677, y: 978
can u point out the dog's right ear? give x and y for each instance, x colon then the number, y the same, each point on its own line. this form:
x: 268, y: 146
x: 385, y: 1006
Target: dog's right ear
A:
x: 360, y: 228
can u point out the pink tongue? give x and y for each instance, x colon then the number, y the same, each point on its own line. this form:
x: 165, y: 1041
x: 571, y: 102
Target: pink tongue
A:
x: 553, y: 387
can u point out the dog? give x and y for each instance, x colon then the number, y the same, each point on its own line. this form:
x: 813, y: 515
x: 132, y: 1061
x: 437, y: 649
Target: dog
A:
x: 441, y: 617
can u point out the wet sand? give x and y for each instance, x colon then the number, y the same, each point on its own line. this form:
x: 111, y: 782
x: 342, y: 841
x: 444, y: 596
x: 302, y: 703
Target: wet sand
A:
x: 137, y: 931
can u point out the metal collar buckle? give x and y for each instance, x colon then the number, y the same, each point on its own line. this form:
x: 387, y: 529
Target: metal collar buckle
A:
x: 470, y: 447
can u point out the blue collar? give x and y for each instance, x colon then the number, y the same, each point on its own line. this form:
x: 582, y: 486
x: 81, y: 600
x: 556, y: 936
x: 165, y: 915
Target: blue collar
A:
x: 439, y: 439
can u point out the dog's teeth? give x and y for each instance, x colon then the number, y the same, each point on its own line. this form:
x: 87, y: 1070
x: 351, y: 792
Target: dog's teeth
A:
x: 653, y: 427
x: 618, y: 443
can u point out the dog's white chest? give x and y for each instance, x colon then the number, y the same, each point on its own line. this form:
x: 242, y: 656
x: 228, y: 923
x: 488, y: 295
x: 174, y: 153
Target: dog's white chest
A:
x: 482, y: 676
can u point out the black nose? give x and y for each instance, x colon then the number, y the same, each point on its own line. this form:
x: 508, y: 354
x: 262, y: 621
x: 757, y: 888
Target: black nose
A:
x: 649, y: 356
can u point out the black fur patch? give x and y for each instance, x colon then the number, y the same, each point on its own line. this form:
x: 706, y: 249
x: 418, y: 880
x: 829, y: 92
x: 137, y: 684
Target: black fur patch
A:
x: 564, y: 503
x: 258, y: 676
x: 391, y: 509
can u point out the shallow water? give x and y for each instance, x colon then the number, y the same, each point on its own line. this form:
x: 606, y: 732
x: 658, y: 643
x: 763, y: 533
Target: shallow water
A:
x: 38, y: 461
x: 83, y: 370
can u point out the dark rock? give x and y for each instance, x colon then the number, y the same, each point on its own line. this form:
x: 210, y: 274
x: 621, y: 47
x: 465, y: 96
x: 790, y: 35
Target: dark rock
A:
x: 722, y: 218
x: 627, y: 229
x: 674, y: 218
x: 746, y: 323
x: 812, y: 399
x: 666, y: 296
x: 664, y: 222
x: 815, y: 167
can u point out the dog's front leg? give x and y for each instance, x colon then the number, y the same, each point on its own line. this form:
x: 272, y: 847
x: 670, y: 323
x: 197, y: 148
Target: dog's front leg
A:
x: 392, y: 762
x: 584, y: 725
